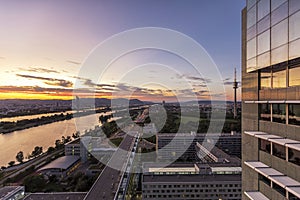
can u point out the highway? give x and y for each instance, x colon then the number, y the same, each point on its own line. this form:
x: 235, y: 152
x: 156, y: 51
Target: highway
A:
x: 106, y: 185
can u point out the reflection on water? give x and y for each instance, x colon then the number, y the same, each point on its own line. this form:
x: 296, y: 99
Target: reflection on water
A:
x: 45, y: 136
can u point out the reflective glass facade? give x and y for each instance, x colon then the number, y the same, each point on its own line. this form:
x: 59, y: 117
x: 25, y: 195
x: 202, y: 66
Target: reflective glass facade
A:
x: 279, y: 79
x: 276, y: 77
x: 294, y: 156
x: 273, y: 32
x: 294, y: 76
x: 279, y: 151
x: 271, y: 98
x: 265, y: 112
x: 265, y: 146
x: 278, y: 114
x: 294, y: 114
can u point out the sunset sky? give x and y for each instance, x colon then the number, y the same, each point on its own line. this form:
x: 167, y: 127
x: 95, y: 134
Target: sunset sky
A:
x: 43, y: 45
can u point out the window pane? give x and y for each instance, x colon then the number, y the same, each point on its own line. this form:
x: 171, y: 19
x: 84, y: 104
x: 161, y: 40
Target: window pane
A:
x: 294, y: 26
x: 251, y: 65
x: 263, y: 60
x: 251, y: 48
x: 293, y: 197
x: 263, y: 25
x: 294, y: 76
x: 263, y: 7
x: 279, y: 79
x: 279, y: 189
x: 276, y: 3
x: 279, y: 55
x: 264, y: 179
x: 279, y: 34
x: 265, y: 112
x: 251, y: 17
x: 294, y: 114
x: 263, y: 42
x: 251, y: 32
x: 265, y: 145
x: 294, y: 50
x: 294, y: 156
x: 279, y: 151
x: 278, y: 114
x: 279, y: 14
x: 294, y: 6
x: 265, y: 82
x: 250, y: 3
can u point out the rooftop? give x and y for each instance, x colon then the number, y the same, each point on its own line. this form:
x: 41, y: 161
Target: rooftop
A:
x: 56, y: 196
x: 61, y: 163
x: 215, y: 153
x: 189, y: 168
x: 75, y: 141
x: 197, y: 134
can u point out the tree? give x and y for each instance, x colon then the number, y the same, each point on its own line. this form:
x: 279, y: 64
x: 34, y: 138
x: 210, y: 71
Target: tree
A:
x: 50, y: 149
x: 37, y: 151
x: 76, y: 135
x: 11, y: 163
x: 63, y: 139
x: 35, y: 183
x: 20, y: 157
x: 68, y: 139
x: 53, y: 179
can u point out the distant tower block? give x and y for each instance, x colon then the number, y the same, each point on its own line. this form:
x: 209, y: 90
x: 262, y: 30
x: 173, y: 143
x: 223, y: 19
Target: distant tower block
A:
x: 235, y: 87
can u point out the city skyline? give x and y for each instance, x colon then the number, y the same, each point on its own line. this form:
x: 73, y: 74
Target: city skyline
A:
x: 46, y: 43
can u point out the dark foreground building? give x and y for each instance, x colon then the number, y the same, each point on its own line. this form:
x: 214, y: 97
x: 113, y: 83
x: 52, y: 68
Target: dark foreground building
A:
x: 271, y: 99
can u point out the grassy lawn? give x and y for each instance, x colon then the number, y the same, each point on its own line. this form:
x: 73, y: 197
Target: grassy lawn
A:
x: 116, y: 141
x: 186, y: 119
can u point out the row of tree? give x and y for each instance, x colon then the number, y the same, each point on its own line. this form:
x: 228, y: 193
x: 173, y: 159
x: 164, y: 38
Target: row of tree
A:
x: 59, y: 144
x: 20, y: 155
x: 7, y: 127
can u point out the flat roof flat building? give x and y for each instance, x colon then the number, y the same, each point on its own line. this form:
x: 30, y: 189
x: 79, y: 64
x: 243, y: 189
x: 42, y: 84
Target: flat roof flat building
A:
x: 56, y: 195
x: 191, y: 181
x: 61, y: 167
x: 271, y: 99
x: 175, y: 144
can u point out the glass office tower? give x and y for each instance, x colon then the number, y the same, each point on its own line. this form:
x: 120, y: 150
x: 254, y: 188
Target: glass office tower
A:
x: 271, y: 99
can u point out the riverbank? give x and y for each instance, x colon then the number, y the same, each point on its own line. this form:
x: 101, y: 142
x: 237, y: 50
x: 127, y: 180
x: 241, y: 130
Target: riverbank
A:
x: 8, y: 127
x: 43, y: 136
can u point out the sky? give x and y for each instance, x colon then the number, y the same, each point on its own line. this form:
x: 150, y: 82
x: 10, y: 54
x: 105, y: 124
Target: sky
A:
x: 45, y: 44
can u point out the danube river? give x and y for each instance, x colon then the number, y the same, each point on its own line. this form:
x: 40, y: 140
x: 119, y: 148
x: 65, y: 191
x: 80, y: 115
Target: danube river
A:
x: 45, y: 136
x: 13, y: 119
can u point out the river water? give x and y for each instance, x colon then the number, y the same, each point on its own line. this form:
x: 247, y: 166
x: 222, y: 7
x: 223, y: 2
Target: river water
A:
x: 13, y: 119
x: 45, y: 136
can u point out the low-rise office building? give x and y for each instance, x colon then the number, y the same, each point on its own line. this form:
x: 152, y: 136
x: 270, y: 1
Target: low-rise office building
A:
x: 191, y: 181
x: 76, y: 148
x: 61, y: 167
x: 182, y: 145
x: 56, y: 196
